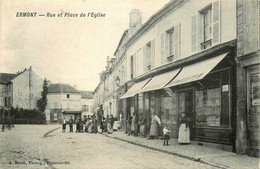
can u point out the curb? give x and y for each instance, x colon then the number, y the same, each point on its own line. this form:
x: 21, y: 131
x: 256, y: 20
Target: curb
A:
x: 167, y: 152
x: 46, y: 134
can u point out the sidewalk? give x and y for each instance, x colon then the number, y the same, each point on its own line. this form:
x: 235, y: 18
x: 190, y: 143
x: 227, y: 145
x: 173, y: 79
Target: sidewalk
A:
x: 211, y: 156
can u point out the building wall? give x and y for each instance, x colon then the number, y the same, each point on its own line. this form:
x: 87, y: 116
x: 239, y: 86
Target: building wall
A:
x: 248, y: 56
x: 182, y: 16
x: 89, y: 104
x: 60, y: 101
x: 23, y: 97
x: 3, y: 94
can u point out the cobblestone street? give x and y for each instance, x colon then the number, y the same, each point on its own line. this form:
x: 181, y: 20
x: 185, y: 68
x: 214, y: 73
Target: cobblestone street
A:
x: 27, y: 146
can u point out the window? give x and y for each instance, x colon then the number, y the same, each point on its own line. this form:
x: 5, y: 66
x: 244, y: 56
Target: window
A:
x: 171, y: 48
x: 148, y: 56
x: 132, y: 66
x: 173, y: 43
x: 85, y: 108
x: 68, y: 96
x: 206, y: 27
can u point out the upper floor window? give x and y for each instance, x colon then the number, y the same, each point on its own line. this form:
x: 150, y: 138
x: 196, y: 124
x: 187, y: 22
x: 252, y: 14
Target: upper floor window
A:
x: 206, y: 27
x: 68, y: 96
x: 148, y: 56
x: 132, y: 66
x: 171, y: 45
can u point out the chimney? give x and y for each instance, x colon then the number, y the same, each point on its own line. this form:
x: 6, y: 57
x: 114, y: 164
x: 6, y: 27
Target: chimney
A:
x: 135, y: 18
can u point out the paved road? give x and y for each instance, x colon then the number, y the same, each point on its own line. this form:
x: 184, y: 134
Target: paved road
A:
x: 79, y: 150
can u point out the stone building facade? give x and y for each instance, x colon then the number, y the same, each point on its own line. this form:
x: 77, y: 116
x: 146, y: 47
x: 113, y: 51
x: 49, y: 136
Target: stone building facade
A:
x: 193, y: 57
x: 20, y: 90
x: 248, y: 77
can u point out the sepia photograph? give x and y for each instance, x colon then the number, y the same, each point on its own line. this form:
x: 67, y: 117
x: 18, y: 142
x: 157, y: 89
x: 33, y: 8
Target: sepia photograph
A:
x: 129, y: 84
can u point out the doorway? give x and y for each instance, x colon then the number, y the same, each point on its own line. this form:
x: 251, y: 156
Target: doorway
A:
x: 185, y: 100
x: 254, y: 111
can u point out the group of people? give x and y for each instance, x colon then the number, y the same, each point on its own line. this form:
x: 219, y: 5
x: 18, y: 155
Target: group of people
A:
x: 137, y: 124
x: 89, y: 124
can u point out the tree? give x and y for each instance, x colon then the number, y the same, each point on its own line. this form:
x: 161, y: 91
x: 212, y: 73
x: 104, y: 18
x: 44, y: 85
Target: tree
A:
x: 42, y: 102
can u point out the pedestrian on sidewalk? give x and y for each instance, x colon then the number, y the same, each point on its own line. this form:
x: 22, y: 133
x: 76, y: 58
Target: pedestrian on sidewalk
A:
x: 94, y: 120
x: 142, y: 125
x: 154, y: 127
x: 112, y: 120
x: 71, y: 124
x: 184, y: 130
x: 136, y: 125
x: 166, y: 136
x: 63, y: 125
x: 77, y: 125
x: 133, y: 124
x: 128, y: 124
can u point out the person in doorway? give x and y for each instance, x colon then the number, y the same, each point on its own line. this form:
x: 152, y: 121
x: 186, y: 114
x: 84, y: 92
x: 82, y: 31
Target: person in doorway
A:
x: 71, y: 124
x: 184, y: 130
x: 63, y: 125
x: 166, y: 136
x: 154, y: 127
x: 142, y: 125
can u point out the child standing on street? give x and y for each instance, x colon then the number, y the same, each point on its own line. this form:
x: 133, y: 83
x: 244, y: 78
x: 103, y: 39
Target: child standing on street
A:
x: 166, y: 136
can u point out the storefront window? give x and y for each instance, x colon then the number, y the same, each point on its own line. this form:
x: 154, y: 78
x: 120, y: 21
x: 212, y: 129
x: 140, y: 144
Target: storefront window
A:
x: 168, y: 109
x: 207, y: 103
x: 140, y: 103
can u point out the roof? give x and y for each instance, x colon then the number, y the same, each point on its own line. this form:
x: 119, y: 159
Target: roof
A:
x: 86, y: 94
x: 61, y: 88
x: 6, y: 77
x: 121, y: 40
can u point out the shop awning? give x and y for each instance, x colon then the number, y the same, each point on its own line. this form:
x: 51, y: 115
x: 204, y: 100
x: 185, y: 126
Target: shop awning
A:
x: 196, y: 71
x: 72, y: 112
x: 136, y: 88
x: 159, y: 81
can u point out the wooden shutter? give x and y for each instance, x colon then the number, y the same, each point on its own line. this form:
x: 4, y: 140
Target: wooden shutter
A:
x: 194, y: 33
x: 152, y: 57
x: 177, y: 40
x: 166, y: 51
x: 144, y: 59
x: 216, y: 22
x: 162, y: 48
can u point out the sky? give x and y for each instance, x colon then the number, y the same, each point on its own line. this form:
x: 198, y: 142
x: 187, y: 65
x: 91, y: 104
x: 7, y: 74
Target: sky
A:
x: 69, y: 50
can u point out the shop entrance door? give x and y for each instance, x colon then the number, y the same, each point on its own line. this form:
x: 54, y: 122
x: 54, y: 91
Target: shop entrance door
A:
x: 186, y: 105
x: 254, y: 112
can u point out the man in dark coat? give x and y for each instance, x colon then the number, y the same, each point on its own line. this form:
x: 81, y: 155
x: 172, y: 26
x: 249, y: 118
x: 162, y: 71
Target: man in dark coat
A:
x: 71, y: 124
x: 112, y: 120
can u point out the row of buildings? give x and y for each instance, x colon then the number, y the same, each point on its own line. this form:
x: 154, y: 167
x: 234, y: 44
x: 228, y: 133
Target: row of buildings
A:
x: 21, y: 90
x: 201, y: 58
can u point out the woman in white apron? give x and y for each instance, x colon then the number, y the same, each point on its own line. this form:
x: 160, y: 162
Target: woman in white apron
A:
x: 184, y: 130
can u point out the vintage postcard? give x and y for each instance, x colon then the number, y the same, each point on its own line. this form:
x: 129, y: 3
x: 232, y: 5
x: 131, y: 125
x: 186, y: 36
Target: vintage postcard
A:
x: 126, y: 84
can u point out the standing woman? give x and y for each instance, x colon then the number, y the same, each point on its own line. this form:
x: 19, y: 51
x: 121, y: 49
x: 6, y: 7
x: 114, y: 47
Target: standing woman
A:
x: 154, y: 127
x: 184, y: 130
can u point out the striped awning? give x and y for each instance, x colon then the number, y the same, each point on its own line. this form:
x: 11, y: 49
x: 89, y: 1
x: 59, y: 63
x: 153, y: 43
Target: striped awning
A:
x: 135, y: 89
x: 196, y: 71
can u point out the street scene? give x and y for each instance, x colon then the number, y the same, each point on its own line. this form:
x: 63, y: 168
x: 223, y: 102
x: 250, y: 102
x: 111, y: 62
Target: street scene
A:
x: 130, y: 84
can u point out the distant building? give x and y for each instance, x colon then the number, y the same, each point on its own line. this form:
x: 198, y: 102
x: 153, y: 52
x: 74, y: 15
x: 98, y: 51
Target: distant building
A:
x: 21, y: 89
x: 64, y: 101
x: 87, y: 102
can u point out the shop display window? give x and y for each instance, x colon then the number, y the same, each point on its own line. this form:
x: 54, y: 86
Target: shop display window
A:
x: 208, y: 102
x: 169, y: 109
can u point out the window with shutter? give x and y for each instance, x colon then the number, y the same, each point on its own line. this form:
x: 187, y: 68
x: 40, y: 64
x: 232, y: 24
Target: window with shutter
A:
x: 177, y: 41
x: 152, y: 57
x: 216, y: 22
x: 194, y: 33
x: 170, y: 43
x: 162, y: 48
x: 206, y: 28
